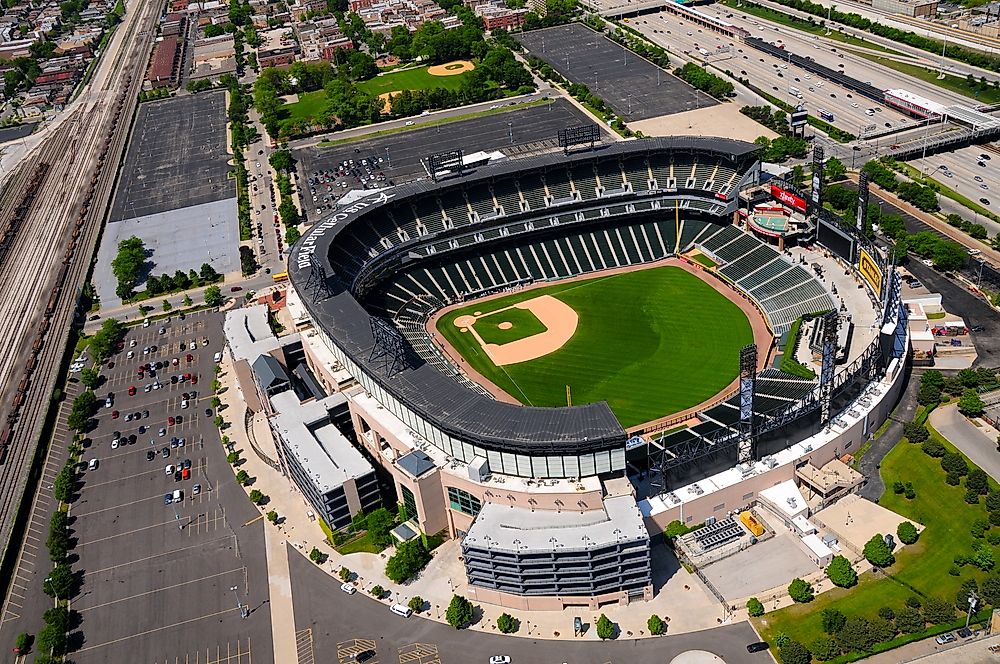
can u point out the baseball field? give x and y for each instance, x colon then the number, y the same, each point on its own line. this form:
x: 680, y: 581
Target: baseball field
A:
x: 650, y: 342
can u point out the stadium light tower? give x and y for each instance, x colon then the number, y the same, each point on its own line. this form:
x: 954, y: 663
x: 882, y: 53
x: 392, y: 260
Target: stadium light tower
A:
x: 829, y: 358
x: 748, y: 382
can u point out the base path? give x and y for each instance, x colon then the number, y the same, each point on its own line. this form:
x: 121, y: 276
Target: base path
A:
x: 453, y: 68
x: 761, y: 333
x: 559, y: 318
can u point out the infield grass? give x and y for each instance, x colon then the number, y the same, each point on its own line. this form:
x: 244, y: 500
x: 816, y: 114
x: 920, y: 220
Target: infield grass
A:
x: 524, y: 324
x: 650, y: 343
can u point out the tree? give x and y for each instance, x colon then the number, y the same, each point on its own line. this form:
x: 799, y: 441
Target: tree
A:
x: 377, y: 591
x: 243, y: 477
x: 877, y: 552
x: 953, y: 462
x: 800, y: 591
x: 207, y: 273
x: 754, y: 607
x: 248, y: 261
x: 187, y: 301
x: 257, y: 497
x: 605, y: 628
x: 906, y: 532
x: 794, y: 652
x: 51, y: 639
x: 933, y: 448
x: 856, y: 635
x: 508, y: 624
x: 127, y: 265
x: 84, y: 407
x: 916, y: 432
x: 656, y: 625
x: 218, y: 421
x: 59, y: 582
x: 978, y: 481
x: 929, y: 395
x: 89, y: 377
x: 416, y: 604
x: 281, y: 161
x: 65, y: 483
x: 833, y: 620
x: 23, y: 643
x: 213, y: 296
x: 824, y: 648
x: 167, y: 306
x: 272, y: 516
x: 379, y: 524
x: 834, y: 170
x: 459, y: 613
x: 983, y: 559
x: 993, y: 501
x: 937, y: 611
x: 104, y: 340
x: 316, y: 555
x: 410, y: 558
x: 970, y: 404
x: 909, y: 620
x: 232, y: 458
x: 841, y: 573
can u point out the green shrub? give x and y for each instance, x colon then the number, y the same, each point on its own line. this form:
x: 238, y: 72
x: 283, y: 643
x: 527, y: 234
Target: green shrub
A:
x: 754, y: 607
x: 800, y: 591
x: 656, y: 625
x: 907, y: 532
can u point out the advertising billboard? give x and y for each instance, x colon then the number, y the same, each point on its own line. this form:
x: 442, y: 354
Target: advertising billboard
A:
x: 788, y: 198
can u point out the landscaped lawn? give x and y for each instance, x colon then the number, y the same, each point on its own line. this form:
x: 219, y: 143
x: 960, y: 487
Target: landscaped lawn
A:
x: 957, y: 84
x: 361, y: 544
x: 308, y: 107
x: 650, y: 343
x: 704, y: 260
x: 920, y: 568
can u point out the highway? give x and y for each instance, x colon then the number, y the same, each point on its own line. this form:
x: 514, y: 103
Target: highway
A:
x: 82, y: 149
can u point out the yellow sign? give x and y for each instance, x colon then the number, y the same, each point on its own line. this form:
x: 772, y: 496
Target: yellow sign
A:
x: 870, y: 270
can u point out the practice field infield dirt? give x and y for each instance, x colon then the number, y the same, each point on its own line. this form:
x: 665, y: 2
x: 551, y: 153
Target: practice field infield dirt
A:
x: 655, y: 341
x: 453, y: 68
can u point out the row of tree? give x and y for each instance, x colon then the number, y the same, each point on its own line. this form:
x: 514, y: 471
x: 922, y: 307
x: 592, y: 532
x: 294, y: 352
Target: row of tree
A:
x: 165, y: 283
x: 922, y: 196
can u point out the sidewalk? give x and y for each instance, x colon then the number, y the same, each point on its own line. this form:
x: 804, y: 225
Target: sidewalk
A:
x: 681, y: 600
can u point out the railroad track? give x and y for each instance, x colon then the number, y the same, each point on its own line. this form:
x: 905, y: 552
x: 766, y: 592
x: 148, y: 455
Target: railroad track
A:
x: 50, y: 252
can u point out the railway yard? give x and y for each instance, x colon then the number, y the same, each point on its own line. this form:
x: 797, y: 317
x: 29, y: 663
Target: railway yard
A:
x: 49, y: 234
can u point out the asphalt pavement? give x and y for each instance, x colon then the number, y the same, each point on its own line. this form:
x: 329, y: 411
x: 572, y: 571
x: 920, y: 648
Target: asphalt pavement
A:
x: 157, y: 575
x: 331, y: 626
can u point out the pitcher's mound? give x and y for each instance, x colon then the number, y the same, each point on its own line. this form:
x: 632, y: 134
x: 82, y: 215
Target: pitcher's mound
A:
x: 506, y: 325
x: 451, y: 68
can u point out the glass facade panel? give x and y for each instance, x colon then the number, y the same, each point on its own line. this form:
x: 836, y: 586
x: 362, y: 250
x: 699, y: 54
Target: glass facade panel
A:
x: 409, y: 503
x: 463, y: 501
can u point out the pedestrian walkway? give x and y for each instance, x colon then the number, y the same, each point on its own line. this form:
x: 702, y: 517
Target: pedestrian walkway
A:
x: 682, y: 600
x: 280, y: 587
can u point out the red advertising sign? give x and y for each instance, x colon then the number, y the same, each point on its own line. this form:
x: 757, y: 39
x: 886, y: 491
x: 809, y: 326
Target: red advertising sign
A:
x: 788, y: 198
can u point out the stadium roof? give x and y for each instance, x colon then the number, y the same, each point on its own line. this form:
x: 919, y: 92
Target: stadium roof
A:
x: 452, y: 407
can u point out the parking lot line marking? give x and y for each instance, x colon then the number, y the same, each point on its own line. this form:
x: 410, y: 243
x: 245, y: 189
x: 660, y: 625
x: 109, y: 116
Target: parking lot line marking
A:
x: 157, y: 629
x: 119, y: 480
x: 127, y: 532
x: 115, y: 507
x: 158, y: 590
x: 172, y: 552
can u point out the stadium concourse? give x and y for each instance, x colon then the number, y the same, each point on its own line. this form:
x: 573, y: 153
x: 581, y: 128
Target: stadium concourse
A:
x: 392, y: 409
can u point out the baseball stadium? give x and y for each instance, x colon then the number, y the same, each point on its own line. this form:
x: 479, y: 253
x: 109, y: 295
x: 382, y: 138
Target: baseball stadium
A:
x: 556, y: 356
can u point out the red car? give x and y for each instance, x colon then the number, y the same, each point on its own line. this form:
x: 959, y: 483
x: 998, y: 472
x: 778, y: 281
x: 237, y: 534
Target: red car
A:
x: 187, y: 376
x: 190, y: 357
x: 115, y: 414
x: 194, y: 379
x: 186, y: 474
x: 131, y: 390
x: 171, y: 420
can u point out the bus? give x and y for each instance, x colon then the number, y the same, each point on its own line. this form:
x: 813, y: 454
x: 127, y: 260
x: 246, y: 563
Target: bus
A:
x: 279, y: 276
x: 825, y: 115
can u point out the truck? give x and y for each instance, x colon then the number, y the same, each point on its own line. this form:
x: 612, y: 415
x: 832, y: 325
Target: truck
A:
x: 825, y: 115
x: 792, y: 90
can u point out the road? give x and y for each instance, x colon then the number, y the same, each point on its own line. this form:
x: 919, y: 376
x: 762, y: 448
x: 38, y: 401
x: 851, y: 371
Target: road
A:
x: 967, y: 438
x: 331, y: 624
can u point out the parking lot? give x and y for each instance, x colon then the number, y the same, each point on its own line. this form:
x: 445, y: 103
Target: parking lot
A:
x: 635, y: 88
x: 164, y: 552
x: 777, y: 77
x: 398, y: 156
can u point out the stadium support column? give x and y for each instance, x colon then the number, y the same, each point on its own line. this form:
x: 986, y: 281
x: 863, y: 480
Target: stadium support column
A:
x: 748, y: 384
x: 829, y: 359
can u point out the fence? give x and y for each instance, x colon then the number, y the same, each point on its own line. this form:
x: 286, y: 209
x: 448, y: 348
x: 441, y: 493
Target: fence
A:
x: 248, y: 424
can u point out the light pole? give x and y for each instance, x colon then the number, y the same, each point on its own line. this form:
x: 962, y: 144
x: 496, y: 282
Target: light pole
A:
x: 244, y: 610
x: 973, y: 600
x: 510, y: 132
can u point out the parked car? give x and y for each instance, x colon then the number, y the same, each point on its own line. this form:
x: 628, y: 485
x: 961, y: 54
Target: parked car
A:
x: 945, y: 638
x: 759, y: 646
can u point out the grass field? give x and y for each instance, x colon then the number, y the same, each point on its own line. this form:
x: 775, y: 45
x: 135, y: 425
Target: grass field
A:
x: 524, y: 324
x: 409, y: 79
x: 650, y: 343
x: 924, y: 565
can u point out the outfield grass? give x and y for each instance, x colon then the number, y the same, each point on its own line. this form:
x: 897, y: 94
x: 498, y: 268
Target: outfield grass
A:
x: 923, y: 566
x: 525, y: 324
x: 650, y: 343
x: 410, y: 79
x: 704, y: 260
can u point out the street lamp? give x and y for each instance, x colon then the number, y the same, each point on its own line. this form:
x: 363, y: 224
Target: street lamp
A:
x: 244, y: 610
x: 510, y: 132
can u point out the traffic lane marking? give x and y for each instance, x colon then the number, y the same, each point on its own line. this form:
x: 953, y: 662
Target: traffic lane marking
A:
x: 158, y: 590
x: 157, y: 629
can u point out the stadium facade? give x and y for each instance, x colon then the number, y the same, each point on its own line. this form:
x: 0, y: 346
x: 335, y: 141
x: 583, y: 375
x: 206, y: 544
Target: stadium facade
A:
x: 541, y: 497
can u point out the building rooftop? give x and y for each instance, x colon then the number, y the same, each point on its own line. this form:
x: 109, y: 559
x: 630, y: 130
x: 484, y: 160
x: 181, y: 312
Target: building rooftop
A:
x: 515, y: 529
x: 327, y: 456
x: 249, y: 335
x: 415, y: 463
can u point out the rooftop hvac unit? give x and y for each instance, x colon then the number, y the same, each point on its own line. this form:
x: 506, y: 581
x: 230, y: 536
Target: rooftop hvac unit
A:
x: 807, y: 447
x: 792, y: 503
x: 709, y: 521
x: 770, y: 462
x: 479, y: 469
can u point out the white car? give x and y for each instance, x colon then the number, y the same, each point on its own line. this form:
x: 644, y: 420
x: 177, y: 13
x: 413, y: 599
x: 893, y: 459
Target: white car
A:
x: 114, y: 444
x: 169, y: 470
x: 928, y: 262
x: 409, y: 123
x: 500, y: 659
x: 348, y: 588
x: 184, y: 403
